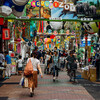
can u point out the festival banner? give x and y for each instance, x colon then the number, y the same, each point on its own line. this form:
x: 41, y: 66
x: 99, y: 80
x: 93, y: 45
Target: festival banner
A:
x: 33, y: 10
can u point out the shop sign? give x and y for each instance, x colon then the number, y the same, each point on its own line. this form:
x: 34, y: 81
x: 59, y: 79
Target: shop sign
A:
x: 55, y: 18
x: 22, y: 17
x: 6, y: 34
x: 55, y: 4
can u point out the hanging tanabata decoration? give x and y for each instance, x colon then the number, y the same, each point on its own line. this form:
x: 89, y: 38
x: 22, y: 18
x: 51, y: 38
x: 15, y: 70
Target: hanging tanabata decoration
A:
x: 1, y: 21
x: 6, y: 34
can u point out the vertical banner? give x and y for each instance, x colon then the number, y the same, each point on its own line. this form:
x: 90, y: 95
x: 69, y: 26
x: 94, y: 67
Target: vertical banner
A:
x: 6, y: 34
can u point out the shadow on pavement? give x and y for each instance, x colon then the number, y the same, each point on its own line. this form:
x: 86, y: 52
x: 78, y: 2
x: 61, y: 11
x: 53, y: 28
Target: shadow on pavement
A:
x: 9, y: 83
x: 3, y: 98
x: 92, y: 88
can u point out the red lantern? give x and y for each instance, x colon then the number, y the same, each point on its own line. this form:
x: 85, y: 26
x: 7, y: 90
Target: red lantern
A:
x: 6, y: 34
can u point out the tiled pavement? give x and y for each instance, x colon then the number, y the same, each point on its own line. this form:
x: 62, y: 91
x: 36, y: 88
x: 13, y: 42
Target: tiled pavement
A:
x: 47, y: 90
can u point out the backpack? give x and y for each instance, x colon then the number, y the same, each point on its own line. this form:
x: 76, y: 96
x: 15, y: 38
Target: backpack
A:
x: 28, y: 71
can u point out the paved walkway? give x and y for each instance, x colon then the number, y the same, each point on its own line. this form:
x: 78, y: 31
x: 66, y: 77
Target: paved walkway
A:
x: 47, y: 90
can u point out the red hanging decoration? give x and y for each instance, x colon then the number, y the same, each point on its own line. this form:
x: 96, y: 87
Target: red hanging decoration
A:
x: 5, y: 23
x: 12, y: 55
x: 1, y: 21
x: 10, y: 47
x: 6, y: 34
x: 52, y: 36
x: 23, y: 31
x: 42, y: 27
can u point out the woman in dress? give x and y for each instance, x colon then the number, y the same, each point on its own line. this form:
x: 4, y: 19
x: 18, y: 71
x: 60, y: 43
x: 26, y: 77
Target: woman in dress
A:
x: 32, y: 80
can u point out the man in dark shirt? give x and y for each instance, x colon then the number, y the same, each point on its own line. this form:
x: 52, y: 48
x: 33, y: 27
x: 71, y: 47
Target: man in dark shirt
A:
x: 71, y: 59
x: 39, y: 55
x: 71, y: 65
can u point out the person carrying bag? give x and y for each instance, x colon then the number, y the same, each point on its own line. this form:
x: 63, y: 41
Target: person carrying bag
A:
x: 31, y: 72
x: 28, y: 71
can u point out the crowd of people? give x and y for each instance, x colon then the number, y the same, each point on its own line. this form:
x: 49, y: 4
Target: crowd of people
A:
x: 54, y: 60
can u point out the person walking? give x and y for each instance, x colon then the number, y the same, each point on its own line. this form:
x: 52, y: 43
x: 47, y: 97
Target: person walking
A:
x: 47, y: 62
x: 2, y: 58
x: 43, y: 55
x: 51, y: 63
x: 71, y: 65
x: 55, y: 66
x: 8, y: 67
x: 62, y: 62
x: 20, y: 65
x: 32, y: 80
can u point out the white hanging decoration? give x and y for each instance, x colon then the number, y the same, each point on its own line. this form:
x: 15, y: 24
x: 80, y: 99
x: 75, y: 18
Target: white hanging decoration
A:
x: 56, y: 25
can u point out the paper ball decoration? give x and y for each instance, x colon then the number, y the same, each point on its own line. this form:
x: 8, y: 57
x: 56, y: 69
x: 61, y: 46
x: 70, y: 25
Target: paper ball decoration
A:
x: 56, y: 25
x: 47, y: 40
x: 52, y: 36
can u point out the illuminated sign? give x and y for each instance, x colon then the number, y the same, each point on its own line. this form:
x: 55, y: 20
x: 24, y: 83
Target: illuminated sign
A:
x: 55, y: 4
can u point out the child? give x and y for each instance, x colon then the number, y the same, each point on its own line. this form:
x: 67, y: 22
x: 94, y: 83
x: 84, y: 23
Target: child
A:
x: 62, y: 62
x: 20, y: 65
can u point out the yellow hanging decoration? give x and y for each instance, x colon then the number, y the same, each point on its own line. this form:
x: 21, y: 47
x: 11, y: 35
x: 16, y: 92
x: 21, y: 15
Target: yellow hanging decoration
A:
x: 15, y: 47
x: 10, y: 20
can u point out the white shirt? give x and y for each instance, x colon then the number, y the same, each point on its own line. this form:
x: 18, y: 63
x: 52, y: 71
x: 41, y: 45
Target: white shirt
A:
x: 62, y: 59
x: 26, y: 55
x: 35, y: 63
x: 47, y: 57
x: 20, y: 61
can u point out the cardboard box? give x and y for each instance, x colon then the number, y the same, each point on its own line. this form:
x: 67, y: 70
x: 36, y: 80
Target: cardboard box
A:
x: 93, y: 78
x: 85, y: 74
x: 92, y: 70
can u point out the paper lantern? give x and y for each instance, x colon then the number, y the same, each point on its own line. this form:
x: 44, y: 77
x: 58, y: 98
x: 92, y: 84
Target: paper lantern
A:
x: 6, y: 34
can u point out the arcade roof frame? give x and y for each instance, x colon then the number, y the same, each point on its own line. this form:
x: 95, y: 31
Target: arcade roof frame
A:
x: 37, y: 19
